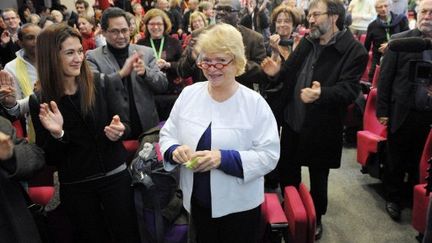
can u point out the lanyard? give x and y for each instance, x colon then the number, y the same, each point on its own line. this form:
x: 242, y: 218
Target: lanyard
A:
x: 159, y: 53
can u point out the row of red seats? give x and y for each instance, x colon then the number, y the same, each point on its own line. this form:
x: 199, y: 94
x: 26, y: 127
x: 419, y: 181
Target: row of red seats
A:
x: 371, y: 155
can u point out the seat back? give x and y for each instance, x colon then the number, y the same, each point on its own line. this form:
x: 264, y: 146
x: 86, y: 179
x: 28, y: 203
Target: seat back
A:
x: 296, y: 216
x: 18, y: 128
x: 362, y: 38
x: 376, y: 76
x: 426, y: 155
x: 310, y: 211
x: 370, y: 121
x: 41, y: 194
x: 271, y: 209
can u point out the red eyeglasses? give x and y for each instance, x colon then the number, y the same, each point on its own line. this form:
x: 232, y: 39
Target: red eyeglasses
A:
x: 218, y: 65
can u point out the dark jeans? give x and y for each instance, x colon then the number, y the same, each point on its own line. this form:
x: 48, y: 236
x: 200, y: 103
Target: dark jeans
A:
x: 102, y: 210
x: 290, y: 171
x: 232, y: 228
x: 405, y: 147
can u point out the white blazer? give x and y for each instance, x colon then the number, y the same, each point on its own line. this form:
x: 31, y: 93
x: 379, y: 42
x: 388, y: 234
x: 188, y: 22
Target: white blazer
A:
x: 244, y: 123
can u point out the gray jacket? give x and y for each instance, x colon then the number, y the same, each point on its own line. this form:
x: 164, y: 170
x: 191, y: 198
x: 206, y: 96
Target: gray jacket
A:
x: 144, y: 87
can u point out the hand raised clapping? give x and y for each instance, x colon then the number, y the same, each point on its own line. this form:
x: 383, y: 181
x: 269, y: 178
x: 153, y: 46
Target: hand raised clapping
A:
x: 115, y: 129
x: 51, y: 118
x: 6, y: 147
x: 7, y: 89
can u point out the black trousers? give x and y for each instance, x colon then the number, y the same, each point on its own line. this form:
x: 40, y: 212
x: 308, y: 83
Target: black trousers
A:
x: 102, y: 210
x: 232, y: 228
x: 289, y: 170
x: 405, y: 147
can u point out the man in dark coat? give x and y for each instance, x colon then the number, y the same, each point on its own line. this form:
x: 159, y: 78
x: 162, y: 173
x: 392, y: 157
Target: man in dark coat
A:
x: 227, y: 12
x: 379, y: 31
x: 404, y: 105
x: 18, y: 161
x: 321, y: 78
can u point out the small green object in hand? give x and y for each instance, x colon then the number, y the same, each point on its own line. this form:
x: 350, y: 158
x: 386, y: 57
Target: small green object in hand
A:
x: 191, y: 164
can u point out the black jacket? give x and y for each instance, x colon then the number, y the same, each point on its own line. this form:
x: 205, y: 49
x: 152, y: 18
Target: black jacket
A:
x: 338, y: 69
x: 395, y: 91
x: 16, y: 222
x: 376, y: 32
x: 85, y: 152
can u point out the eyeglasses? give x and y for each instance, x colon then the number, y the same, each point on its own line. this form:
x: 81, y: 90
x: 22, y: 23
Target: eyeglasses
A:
x: 155, y: 24
x: 218, y: 65
x: 426, y: 12
x: 283, y: 21
x: 29, y: 37
x: 10, y: 18
x: 315, y: 15
x: 225, y: 9
x: 117, y: 32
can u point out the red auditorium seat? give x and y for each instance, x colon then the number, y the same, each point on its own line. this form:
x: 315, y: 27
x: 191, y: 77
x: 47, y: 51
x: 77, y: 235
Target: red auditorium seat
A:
x: 370, y: 141
x: 296, y: 216
x: 273, y: 216
x: 365, y: 76
x: 420, y: 200
x: 310, y: 212
x: 18, y: 128
x: 131, y: 145
x: 41, y: 186
x: 41, y: 194
x: 362, y: 38
x: 376, y: 76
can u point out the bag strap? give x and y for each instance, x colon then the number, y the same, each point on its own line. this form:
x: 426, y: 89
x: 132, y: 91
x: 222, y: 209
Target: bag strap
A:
x: 158, y: 219
x: 144, y: 234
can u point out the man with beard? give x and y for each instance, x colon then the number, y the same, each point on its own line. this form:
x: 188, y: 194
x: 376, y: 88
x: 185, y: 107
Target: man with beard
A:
x: 320, y: 79
x: 227, y: 12
x: 404, y: 105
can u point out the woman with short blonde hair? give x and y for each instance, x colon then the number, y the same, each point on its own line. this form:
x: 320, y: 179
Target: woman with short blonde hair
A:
x: 224, y: 138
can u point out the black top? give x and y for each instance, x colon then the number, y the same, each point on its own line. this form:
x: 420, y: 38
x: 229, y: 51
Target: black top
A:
x: 84, y: 151
x: 171, y: 53
x: 377, y: 32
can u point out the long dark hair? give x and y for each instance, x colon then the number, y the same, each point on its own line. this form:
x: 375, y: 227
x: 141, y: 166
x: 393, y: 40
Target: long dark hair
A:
x: 50, y: 69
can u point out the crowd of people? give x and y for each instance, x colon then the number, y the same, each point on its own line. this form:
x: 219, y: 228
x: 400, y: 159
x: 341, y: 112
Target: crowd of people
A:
x: 250, y: 91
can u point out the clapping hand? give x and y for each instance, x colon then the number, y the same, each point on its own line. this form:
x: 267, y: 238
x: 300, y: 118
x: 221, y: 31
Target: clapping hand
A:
x: 270, y: 66
x: 5, y: 37
x: 51, y: 118
x: 115, y: 129
x: 274, y: 42
x: 133, y: 63
x: 7, y: 89
x: 6, y: 147
x: 139, y: 66
x: 162, y: 64
x: 309, y: 95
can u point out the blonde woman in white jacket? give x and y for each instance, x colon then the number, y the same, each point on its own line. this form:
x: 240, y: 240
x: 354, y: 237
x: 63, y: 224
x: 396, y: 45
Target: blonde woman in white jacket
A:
x: 231, y: 134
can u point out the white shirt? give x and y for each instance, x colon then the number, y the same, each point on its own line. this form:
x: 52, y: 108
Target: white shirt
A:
x: 10, y: 67
x: 244, y: 123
